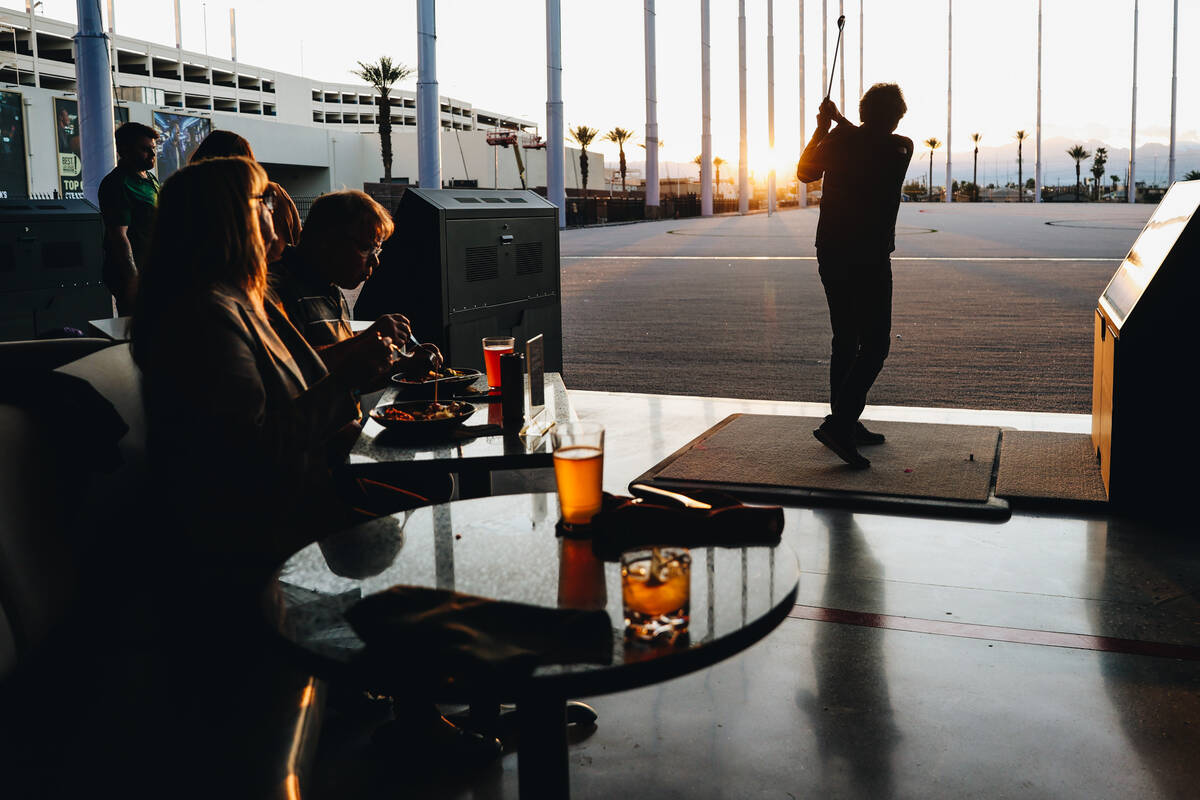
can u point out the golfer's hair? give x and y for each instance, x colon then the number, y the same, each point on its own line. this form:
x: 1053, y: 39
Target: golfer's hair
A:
x: 129, y: 134
x: 883, y: 104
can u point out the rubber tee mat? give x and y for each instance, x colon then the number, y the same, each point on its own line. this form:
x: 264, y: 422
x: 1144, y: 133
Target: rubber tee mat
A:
x: 941, y: 470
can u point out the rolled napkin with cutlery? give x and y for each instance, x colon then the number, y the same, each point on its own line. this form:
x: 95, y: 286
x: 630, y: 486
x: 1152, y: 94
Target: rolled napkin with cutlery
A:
x: 440, y: 637
x: 701, y: 518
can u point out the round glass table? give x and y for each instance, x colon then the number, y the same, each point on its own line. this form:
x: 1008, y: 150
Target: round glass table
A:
x: 506, y: 548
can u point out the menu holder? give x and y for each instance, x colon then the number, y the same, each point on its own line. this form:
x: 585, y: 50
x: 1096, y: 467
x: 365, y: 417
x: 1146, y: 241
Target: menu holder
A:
x: 535, y: 390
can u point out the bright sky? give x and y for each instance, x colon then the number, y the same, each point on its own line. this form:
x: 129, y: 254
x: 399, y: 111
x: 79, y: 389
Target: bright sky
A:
x: 492, y: 54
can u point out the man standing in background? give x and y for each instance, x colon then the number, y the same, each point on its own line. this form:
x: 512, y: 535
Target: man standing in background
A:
x: 128, y: 200
x: 863, y: 168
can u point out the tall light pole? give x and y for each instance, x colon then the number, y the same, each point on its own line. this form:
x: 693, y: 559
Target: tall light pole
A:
x: 1037, y: 165
x: 179, y: 54
x: 429, y: 117
x: 824, y: 44
x: 860, y: 51
x: 771, y: 104
x: 1174, y: 83
x: 842, y: 66
x: 949, y: 86
x: 743, y: 167
x: 94, y: 82
x: 1131, y: 187
x: 803, y: 187
x: 31, y: 7
x: 555, y: 165
x: 706, y: 156
x: 651, y: 116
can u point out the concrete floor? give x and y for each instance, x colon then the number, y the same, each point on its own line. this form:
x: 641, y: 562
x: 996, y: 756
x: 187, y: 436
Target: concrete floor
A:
x: 1050, y: 656
x: 925, y: 658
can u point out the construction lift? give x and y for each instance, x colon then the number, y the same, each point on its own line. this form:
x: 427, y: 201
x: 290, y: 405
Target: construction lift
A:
x: 504, y: 138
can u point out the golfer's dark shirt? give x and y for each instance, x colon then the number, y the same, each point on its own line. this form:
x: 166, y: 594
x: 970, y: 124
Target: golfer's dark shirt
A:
x: 316, y: 307
x: 863, y: 173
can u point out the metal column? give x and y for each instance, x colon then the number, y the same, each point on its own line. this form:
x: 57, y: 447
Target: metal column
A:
x: 429, y: 116
x: 771, y: 104
x: 743, y: 167
x: 1037, y: 168
x: 651, y: 113
x: 802, y: 187
x: 1131, y: 188
x: 555, y: 165
x: 94, y: 83
x: 706, y: 156
x: 949, y: 87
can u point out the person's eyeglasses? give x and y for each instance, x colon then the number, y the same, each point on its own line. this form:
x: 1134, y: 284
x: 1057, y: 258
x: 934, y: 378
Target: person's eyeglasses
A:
x: 367, y: 252
x: 267, y: 198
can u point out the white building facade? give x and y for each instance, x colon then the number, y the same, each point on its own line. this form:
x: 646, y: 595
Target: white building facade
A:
x: 312, y: 136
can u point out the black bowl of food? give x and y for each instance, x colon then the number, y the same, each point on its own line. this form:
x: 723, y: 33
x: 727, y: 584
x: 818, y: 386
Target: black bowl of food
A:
x: 447, y: 381
x: 421, y: 418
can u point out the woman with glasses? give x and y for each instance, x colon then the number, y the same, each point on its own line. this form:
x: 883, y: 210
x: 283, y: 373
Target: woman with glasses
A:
x: 243, y: 423
x: 242, y: 415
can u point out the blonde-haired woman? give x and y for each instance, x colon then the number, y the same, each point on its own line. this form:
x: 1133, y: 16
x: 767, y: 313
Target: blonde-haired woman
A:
x: 238, y: 439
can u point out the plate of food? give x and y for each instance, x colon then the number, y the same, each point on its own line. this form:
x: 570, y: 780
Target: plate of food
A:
x: 445, y: 378
x: 423, y: 418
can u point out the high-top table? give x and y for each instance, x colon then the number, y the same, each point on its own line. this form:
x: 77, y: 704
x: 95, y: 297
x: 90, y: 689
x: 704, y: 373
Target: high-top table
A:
x: 505, y: 548
x: 380, y: 453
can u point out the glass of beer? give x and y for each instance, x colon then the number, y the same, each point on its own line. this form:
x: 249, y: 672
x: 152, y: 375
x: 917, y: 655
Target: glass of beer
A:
x: 579, y: 470
x: 656, y: 590
x: 493, y: 348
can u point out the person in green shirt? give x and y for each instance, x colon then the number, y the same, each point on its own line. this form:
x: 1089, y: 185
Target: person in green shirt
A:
x: 128, y: 201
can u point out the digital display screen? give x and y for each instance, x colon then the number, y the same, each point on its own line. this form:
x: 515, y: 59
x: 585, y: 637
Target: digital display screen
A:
x: 1147, y: 254
x: 178, y: 138
x: 14, y: 173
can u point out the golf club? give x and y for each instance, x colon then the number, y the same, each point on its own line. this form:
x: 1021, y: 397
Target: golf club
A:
x: 836, y: 47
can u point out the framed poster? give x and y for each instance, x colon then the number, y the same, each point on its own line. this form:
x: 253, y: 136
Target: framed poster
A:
x: 178, y: 137
x: 14, y: 169
x: 66, y: 129
x: 70, y: 165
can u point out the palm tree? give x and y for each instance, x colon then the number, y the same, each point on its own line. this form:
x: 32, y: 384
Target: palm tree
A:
x: 1021, y: 137
x: 1193, y: 175
x: 1079, y: 154
x: 717, y: 162
x: 383, y: 75
x: 975, y: 137
x: 1098, y: 167
x: 933, y: 144
x: 620, y: 136
x: 583, y: 136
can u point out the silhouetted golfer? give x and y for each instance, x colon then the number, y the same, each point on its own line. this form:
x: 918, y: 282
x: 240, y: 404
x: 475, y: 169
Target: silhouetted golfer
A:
x: 863, y: 168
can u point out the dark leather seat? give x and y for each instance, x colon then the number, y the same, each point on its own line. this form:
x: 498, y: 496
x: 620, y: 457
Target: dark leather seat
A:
x: 93, y: 697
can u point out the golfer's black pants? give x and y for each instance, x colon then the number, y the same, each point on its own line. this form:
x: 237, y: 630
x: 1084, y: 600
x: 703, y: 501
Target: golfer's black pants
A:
x: 860, y: 312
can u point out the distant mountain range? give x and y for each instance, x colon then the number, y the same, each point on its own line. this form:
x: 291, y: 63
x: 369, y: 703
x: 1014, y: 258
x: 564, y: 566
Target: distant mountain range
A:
x: 999, y: 164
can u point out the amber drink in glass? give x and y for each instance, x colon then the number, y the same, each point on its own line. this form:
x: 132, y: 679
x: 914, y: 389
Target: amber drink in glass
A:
x: 493, y: 348
x: 656, y: 587
x: 579, y: 470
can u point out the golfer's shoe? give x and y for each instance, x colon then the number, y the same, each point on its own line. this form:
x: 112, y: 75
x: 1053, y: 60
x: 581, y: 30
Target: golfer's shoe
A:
x: 842, y: 445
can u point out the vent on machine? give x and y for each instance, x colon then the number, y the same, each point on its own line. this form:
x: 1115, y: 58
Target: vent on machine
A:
x: 483, y: 263
x: 529, y: 258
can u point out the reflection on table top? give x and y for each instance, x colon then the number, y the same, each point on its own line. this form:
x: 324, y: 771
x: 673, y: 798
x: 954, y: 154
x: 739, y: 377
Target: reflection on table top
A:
x: 505, y: 548
x: 378, y: 444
